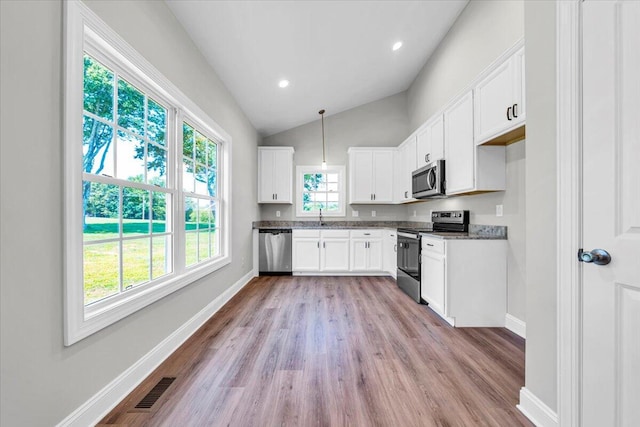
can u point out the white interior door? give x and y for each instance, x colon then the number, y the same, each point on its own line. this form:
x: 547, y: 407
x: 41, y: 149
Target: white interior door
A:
x: 611, y: 213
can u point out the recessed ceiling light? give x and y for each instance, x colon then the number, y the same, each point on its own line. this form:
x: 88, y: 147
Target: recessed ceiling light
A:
x: 283, y: 83
x: 397, y: 45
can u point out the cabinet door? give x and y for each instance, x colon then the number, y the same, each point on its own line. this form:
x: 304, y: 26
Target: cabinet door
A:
x: 390, y: 256
x: 306, y: 254
x: 459, y: 145
x: 361, y: 173
x: 374, y: 255
x: 282, y: 176
x: 408, y: 164
x: 518, y: 87
x: 383, y: 176
x: 266, y: 192
x: 494, y: 100
x: 432, y: 288
x: 334, y: 255
x: 423, y: 147
x: 436, y: 139
x: 358, y: 254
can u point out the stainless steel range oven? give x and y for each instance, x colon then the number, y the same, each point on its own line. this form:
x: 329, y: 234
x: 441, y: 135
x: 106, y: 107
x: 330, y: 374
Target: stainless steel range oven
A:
x: 409, y: 247
x: 408, y: 275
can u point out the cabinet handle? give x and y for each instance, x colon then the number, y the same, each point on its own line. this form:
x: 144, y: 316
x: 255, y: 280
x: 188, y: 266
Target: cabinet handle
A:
x: 318, y: 244
x: 395, y: 248
x: 508, y: 113
x: 324, y: 245
x: 429, y: 244
x: 276, y: 196
x: 515, y: 110
x: 427, y: 157
x: 405, y: 195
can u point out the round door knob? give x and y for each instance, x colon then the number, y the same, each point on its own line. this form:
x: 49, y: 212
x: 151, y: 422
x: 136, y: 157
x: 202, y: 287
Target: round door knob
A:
x: 596, y: 256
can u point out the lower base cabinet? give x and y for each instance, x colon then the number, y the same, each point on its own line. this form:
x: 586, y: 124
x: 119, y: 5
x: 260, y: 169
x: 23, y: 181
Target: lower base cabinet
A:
x: 465, y: 281
x: 343, y: 251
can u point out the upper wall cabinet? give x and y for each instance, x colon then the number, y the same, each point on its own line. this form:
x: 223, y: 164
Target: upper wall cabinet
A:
x: 499, y: 108
x: 430, y: 141
x: 371, y: 175
x: 470, y: 168
x: 406, y: 163
x: 275, y: 174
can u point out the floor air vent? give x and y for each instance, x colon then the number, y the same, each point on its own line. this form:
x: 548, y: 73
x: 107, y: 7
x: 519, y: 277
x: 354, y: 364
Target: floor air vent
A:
x: 152, y: 397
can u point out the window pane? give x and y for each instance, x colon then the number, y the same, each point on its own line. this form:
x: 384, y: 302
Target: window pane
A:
x: 202, y: 186
x: 156, y: 122
x: 213, y: 215
x: 188, y: 178
x: 161, y: 256
x: 135, y: 262
x: 213, y: 241
x: 310, y: 182
x: 97, y: 148
x: 100, y: 269
x: 332, y: 177
x: 204, y: 214
x: 332, y: 187
x: 203, y: 245
x: 333, y: 197
x: 130, y: 157
x: 190, y: 213
x: 201, y: 148
x: 130, y: 107
x: 135, y: 211
x: 101, y: 212
x: 212, y: 154
x: 191, y: 249
x: 98, y: 89
x: 156, y: 165
x: 333, y: 207
x: 159, y: 211
x: 187, y: 140
x: 212, y: 181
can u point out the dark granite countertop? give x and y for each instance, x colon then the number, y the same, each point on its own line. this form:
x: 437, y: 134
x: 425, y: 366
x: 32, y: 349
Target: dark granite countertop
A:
x: 476, y: 232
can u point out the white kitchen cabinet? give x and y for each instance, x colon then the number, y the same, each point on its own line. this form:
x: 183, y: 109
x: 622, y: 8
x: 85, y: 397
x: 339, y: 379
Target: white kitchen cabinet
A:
x: 470, y: 168
x: 389, y: 250
x: 405, y: 163
x: 465, y: 280
x: 430, y: 141
x: 433, y: 281
x: 366, y: 251
x: 275, y: 175
x: 305, y: 250
x: 370, y: 175
x: 499, y: 108
x: 334, y: 250
x: 320, y: 250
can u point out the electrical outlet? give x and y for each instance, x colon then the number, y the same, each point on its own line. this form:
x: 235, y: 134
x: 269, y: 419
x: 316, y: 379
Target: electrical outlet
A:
x: 354, y: 213
x: 277, y: 214
x: 498, y: 210
x: 373, y: 213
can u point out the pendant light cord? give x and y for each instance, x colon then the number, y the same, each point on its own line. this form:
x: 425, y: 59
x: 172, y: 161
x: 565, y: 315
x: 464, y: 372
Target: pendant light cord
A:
x: 321, y: 112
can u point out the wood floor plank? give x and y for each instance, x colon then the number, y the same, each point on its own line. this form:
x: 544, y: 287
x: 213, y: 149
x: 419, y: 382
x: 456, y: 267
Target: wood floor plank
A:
x: 334, y: 351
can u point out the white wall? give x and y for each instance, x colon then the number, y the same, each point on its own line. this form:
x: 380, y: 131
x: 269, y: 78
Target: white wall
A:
x: 541, y: 176
x: 43, y: 381
x: 482, y: 32
x: 382, y: 123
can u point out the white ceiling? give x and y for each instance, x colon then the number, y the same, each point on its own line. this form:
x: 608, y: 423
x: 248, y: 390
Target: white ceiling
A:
x: 336, y: 54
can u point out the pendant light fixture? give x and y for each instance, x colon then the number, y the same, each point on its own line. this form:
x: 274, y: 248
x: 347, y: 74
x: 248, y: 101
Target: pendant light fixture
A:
x: 324, y: 159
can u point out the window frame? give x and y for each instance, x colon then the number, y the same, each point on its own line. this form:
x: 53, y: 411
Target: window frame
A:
x: 301, y: 171
x: 85, y: 31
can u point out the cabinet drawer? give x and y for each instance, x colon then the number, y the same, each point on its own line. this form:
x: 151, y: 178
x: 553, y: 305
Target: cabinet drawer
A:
x: 433, y: 245
x: 306, y: 233
x: 335, y: 234
x: 366, y: 234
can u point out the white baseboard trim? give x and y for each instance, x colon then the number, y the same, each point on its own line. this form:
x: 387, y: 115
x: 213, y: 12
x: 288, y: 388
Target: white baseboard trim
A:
x: 534, y: 409
x: 515, y: 325
x: 94, y: 409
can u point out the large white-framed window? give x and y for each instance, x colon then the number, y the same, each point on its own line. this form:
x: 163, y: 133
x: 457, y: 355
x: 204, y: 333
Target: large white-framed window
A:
x: 318, y: 188
x: 146, y: 181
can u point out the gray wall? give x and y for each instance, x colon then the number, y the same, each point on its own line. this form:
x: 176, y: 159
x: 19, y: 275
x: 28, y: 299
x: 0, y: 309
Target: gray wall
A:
x: 382, y: 123
x: 35, y: 366
x: 541, y: 177
x: 482, y: 32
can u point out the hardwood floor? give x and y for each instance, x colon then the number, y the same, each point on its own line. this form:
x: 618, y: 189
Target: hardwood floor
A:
x: 333, y: 351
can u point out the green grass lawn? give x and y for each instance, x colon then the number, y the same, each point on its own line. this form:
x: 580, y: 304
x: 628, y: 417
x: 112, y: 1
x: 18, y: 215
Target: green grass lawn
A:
x: 144, y: 258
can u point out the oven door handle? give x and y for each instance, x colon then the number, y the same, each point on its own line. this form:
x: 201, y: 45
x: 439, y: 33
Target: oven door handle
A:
x: 408, y: 236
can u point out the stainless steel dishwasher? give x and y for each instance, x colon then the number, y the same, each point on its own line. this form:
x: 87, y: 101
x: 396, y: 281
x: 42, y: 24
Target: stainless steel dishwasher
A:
x: 274, y: 252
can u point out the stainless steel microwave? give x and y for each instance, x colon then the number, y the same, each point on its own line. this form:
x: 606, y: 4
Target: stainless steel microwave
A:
x: 429, y: 181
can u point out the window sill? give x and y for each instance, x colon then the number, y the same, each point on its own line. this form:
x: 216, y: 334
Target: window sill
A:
x: 104, y: 314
